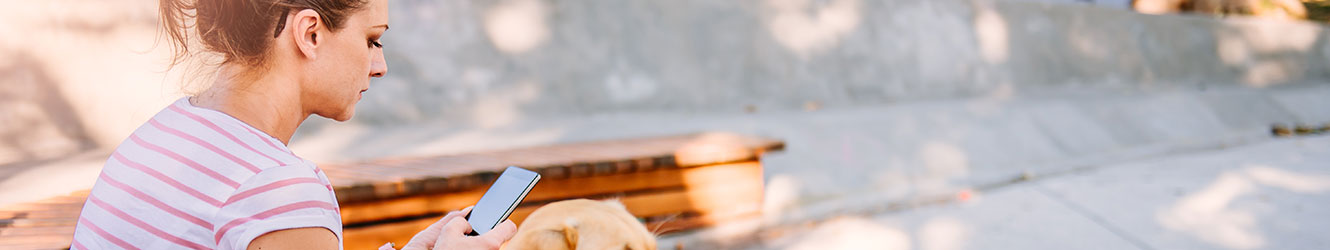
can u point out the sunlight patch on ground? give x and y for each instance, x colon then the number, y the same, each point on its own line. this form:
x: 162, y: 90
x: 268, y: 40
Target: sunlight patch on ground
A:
x: 853, y: 233
x: 1210, y: 215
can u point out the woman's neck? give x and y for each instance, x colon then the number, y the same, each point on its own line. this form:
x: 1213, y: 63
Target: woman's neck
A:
x: 267, y: 101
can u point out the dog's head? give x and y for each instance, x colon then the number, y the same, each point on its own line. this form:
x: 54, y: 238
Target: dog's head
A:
x: 582, y: 224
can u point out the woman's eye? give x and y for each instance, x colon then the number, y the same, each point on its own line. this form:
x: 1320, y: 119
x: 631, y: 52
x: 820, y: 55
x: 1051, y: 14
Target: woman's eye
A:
x: 375, y: 44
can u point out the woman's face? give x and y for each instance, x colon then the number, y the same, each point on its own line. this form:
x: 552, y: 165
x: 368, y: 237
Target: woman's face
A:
x: 346, y: 61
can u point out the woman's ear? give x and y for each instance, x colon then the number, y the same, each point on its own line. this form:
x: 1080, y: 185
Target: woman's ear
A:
x: 305, y: 29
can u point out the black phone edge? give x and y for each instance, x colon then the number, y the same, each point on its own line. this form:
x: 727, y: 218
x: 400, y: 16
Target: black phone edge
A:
x: 511, y: 208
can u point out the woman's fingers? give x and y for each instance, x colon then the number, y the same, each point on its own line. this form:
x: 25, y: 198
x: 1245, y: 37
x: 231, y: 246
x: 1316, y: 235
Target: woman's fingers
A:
x: 454, y: 236
x: 456, y: 226
x: 501, y: 233
x: 458, y: 213
x: 426, y: 238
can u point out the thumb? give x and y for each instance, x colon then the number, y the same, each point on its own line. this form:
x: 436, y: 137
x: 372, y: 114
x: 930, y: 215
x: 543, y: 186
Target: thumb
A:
x: 501, y: 233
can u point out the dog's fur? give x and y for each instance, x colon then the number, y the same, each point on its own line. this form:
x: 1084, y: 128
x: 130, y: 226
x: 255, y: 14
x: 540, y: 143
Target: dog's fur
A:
x: 582, y: 224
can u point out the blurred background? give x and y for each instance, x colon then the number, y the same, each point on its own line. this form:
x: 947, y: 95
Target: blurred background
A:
x: 909, y: 124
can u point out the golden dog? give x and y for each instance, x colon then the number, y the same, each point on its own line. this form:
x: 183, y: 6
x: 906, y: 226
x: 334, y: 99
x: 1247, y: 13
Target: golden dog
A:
x: 582, y: 224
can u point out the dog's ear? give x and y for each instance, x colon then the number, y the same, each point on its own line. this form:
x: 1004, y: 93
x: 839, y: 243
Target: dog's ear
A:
x: 570, y: 232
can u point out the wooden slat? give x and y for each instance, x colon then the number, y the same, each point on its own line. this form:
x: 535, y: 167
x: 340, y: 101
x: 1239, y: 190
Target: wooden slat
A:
x: 46, y: 222
x: 675, y: 224
x: 372, y: 237
x: 42, y: 245
x: 56, y: 241
x: 719, y: 198
x: 23, y: 207
x: 33, y: 231
x: 40, y: 214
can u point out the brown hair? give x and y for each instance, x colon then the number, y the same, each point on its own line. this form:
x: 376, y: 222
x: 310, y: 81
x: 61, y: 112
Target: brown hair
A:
x: 240, y: 30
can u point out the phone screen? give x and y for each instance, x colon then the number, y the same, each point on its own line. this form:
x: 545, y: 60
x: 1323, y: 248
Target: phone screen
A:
x: 500, y: 200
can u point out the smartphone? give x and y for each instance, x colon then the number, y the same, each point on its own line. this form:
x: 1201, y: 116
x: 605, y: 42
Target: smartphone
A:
x: 501, y: 199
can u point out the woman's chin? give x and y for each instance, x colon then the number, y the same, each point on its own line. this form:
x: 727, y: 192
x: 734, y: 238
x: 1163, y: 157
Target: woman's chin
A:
x: 342, y: 116
x: 346, y: 115
x: 342, y: 119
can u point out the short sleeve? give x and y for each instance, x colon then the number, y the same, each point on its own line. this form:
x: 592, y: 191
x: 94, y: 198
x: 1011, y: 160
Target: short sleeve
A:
x: 276, y: 198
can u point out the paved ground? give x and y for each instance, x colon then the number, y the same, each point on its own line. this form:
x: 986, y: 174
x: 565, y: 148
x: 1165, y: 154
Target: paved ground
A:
x: 1269, y: 195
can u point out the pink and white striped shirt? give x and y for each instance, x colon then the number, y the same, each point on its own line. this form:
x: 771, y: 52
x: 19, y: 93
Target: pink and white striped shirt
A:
x: 195, y: 178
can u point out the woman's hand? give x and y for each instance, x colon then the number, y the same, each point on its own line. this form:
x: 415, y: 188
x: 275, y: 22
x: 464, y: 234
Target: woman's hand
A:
x: 450, y: 233
x: 454, y: 236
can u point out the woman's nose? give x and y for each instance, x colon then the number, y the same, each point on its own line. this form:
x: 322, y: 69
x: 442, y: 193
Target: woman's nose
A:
x: 378, y: 67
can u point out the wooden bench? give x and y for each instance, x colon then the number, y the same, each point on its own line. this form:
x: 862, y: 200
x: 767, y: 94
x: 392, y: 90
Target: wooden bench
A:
x: 671, y: 183
x: 44, y: 224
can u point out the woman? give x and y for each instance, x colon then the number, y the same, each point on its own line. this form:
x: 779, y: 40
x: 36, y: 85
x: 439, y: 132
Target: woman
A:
x: 213, y: 171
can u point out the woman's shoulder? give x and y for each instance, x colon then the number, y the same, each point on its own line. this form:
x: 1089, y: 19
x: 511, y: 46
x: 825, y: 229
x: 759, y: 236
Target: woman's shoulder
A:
x: 222, y: 134
x: 206, y: 142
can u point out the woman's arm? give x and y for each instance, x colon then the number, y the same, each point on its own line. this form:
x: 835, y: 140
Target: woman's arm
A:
x: 297, y: 238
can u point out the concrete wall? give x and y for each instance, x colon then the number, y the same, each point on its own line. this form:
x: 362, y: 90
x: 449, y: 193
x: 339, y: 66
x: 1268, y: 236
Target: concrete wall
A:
x: 79, y: 75
x: 1117, y: 4
x: 490, y: 63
